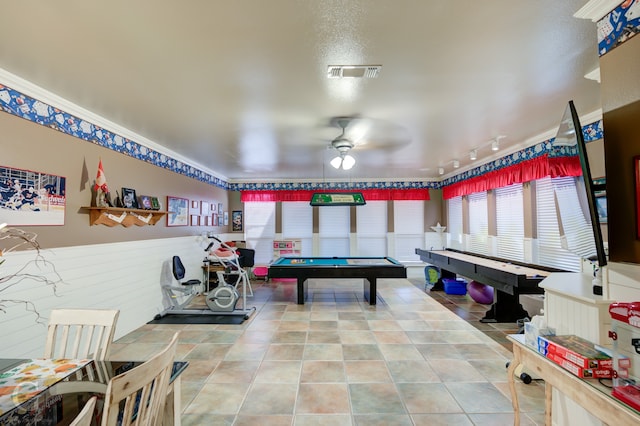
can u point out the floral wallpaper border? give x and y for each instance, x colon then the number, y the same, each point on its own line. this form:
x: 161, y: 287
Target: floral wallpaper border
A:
x: 18, y: 104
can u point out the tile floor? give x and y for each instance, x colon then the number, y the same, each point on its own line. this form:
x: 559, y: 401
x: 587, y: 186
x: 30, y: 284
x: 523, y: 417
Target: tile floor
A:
x: 412, y: 359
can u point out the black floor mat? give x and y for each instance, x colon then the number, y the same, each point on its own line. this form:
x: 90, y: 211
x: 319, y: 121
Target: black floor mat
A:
x: 199, y: 319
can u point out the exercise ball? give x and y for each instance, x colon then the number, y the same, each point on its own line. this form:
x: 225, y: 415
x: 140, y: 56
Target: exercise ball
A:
x: 480, y: 293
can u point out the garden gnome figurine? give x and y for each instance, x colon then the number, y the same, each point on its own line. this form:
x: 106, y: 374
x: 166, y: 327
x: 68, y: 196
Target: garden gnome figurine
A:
x: 103, y: 198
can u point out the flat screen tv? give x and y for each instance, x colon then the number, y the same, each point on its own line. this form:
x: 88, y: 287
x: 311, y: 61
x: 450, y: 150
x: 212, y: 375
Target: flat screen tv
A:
x: 570, y: 141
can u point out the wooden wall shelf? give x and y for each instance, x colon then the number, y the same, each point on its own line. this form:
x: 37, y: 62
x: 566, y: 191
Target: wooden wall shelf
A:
x: 112, y: 216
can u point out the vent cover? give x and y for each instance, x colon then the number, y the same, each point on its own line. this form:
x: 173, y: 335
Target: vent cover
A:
x: 353, y: 71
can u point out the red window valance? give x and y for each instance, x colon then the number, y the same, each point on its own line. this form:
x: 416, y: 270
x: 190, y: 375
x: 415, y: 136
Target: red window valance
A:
x: 305, y: 195
x: 526, y: 171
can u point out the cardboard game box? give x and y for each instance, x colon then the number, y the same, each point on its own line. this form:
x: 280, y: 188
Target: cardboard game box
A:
x: 576, y: 350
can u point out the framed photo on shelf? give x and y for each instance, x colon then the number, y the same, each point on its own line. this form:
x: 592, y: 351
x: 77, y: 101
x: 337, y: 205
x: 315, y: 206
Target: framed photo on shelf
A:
x: 219, y: 208
x: 195, y: 204
x: 214, y: 219
x: 195, y: 220
x: 236, y: 220
x: 129, y: 199
x: 145, y: 202
x: 155, y: 203
x: 178, y: 211
x: 225, y: 219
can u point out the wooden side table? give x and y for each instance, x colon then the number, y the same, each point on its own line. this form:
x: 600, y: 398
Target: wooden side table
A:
x: 588, y: 393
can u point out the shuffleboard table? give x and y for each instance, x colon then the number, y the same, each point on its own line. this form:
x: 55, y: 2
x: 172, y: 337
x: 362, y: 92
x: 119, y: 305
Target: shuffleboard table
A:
x: 367, y: 268
x: 509, y: 278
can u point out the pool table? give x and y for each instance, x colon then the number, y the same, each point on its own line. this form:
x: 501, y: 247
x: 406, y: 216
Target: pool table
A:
x: 368, y: 268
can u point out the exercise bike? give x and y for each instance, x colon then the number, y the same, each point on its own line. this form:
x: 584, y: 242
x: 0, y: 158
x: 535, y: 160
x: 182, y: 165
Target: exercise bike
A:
x: 221, y: 301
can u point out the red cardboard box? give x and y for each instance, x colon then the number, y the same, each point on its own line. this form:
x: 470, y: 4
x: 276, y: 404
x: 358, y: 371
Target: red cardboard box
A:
x: 576, y: 350
x: 585, y: 373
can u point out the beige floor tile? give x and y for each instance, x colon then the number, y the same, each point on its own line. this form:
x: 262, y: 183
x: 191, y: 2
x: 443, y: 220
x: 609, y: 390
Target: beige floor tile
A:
x: 375, y: 398
x: 234, y: 372
x: 329, y: 351
x: 279, y: 372
x: 407, y: 371
x: 323, y: 420
x: 383, y: 420
x: 479, y: 398
x: 270, y: 399
x: 400, y: 352
x: 216, y: 399
x: 323, y: 398
x: 428, y: 398
x: 322, y: 372
x: 441, y: 420
x: 367, y: 372
x: 262, y: 420
x: 456, y: 370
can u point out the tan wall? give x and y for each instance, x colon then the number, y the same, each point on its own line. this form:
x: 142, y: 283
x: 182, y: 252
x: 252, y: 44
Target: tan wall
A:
x: 26, y: 145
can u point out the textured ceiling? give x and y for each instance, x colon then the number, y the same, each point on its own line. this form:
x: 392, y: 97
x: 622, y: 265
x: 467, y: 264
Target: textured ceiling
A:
x: 241, y: 88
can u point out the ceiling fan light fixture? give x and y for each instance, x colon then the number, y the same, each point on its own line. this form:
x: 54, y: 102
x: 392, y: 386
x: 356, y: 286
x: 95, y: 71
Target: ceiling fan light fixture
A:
x: 495, y: 145
x: 456, y: 164
x: 440, y: 170
x: 473, y: 155
x: 336, y: 162
x: 343, y: 161
x: 348, y: 162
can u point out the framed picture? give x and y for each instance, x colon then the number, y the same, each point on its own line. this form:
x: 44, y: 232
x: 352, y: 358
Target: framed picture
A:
x: 178, y: 211
x: 204, y: 207
x: 29, y: 197
x: 195, y: 220
x: 129, y: 199
x: 214, y: 219
x: 145, y: 202
x: 195, y: 204
x: 219, y: 208
x: 236, y: 220
x: 155, y: 203
x: 226, y: 219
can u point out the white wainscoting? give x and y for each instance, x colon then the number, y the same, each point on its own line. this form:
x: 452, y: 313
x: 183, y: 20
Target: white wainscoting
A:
x: 124, y: 276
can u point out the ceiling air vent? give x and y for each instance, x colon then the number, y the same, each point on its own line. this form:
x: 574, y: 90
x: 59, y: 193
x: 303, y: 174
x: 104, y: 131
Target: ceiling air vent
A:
x: 353, y: 71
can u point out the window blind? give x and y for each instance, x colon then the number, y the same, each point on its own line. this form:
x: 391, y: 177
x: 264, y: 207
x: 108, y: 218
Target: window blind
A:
x: 550, y: 251
x: 260, y: 229
x: 297, y: 223
x: 371, y: 226
x: 454, y: 222
x: 510, y: 222
x: 334, y: 226
x: 478, y: 223
x: 408, y: 222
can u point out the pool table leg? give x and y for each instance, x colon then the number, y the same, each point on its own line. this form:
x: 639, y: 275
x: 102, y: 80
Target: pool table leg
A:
x: 370, y: 288
x: 302, y: 290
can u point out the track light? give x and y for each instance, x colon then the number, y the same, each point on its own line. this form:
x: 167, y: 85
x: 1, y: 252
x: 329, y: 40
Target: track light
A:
x: 473, y: 155
x: 343, y: 161
x: 495, y: 145
x: 456, y: 164
x: 440, y: 170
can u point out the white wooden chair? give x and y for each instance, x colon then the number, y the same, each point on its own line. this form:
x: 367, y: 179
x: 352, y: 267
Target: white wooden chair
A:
x: 80, y: 333
x: 85, y: 416
x: 141, y: 390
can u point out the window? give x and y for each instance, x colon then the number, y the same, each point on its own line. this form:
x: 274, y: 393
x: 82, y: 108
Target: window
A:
x: 334, y: 227
x: 478, y: 223
x: 371, y: 223
x: 550, y: 251
x: 510, y: 222
x: 260, y: 229
x: 454, y: 222
x: 297, y: 223
x: 408, y: 223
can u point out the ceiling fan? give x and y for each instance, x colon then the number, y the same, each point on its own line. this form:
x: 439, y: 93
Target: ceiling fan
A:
x: 343, y: 145
x: 357, y: 132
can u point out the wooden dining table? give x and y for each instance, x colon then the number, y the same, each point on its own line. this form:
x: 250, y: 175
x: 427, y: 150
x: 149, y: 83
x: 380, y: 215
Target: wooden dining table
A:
x: 53, y: 391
